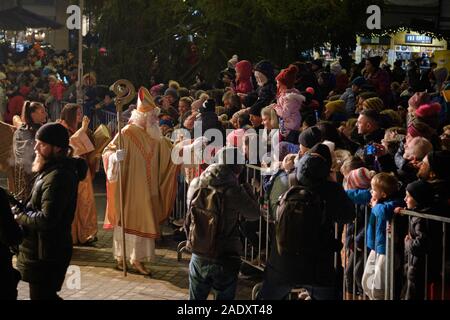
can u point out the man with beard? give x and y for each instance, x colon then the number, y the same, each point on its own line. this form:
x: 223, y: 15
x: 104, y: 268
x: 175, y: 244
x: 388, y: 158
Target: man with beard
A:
x: 148, y: 179
x: 46, y: 250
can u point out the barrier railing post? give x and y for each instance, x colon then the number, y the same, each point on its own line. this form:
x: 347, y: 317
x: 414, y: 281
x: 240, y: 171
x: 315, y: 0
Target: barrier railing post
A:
x: 366, y: 209
x: 443, y: 260
x: 426, y: 277
x: 386, y: 266
x: 355, y: 233
x: 391, y: 263
x: 344, y: 276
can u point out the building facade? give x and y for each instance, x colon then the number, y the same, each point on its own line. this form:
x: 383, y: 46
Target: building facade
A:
x: 51, y: 9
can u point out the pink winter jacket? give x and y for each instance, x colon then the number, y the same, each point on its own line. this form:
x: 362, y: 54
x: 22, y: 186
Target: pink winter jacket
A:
x: 288, y: 108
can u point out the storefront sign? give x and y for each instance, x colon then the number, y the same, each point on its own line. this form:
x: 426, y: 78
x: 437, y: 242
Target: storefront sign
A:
x: 413, y: 38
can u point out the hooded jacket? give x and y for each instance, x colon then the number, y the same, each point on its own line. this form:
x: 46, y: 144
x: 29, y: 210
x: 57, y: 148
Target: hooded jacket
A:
x: 288, y: 108
x: 238, y: 203
x: 46, y: 250
x: 243, y: 81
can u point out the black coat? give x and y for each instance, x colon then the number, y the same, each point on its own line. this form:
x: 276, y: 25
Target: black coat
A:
x: 46, y: 250
x: 415, y: 250
x: 10, y: 236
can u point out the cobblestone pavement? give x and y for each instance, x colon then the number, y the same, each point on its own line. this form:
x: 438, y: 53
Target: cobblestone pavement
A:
x: 101, y: 281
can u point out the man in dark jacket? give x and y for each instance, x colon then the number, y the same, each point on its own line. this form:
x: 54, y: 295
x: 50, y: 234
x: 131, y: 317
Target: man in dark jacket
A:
x: 10, y: 236
x: 46, y: 250
x: 218, y: 270
x: 312, y: 271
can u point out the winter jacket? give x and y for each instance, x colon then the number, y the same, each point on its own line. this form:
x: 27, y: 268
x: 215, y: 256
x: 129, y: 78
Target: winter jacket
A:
x: 244, y: 81
x: 10, y: 236
x: 376, y: 227
x: 46, y: 250
x: 288, y: 108
x: 415, y: 250
x: 237, y: 203
x: 265, y: 95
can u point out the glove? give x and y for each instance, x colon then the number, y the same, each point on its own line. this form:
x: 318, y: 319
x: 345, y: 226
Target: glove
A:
x: 121, y: 154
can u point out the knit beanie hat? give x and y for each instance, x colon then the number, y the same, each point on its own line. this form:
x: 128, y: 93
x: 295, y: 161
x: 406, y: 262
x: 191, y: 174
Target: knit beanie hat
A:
x: 288, y: 76
x: 54, y: 134
x: 266, y: 68
x: 393, y: 118
x: 439, y: 164
x: 171, y: 92
x: 418, y: 128
x: 324, y: 152
x: 429, y: 113
x: 359, y: 81
x: 336, y: 106
x: 314, y: 167
x: 374, y: 104
x: 310, y: 137
x: 418, y: 99
x: 422, y: 193
x: 359, y: 178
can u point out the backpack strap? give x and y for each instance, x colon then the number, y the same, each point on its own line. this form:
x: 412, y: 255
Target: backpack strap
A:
x: 292, y: 178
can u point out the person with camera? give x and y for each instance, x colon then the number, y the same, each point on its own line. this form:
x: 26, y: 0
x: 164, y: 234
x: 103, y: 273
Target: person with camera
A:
x: 10, y: 236
x: 46, y: 219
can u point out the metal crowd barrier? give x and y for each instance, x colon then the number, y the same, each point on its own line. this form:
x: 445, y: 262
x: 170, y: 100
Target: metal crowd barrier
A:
x: 444, y: 222
x: 389, y: 276
x: 256, y: 257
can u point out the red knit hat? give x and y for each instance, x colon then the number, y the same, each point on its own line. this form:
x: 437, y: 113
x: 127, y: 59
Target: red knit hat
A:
x: 428, y: 110
x: 288, y: 76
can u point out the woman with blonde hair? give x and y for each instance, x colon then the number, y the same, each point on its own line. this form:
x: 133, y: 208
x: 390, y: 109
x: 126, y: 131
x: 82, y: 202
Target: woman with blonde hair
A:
x: 84, y: 226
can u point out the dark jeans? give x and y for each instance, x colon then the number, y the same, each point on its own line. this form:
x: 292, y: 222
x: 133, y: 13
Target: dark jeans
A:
x: 275, y: 287
x: 43, y: 291
x: 206, y: 275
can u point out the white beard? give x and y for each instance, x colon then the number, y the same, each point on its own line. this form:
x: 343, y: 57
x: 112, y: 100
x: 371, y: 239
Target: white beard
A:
x: 153, y: 131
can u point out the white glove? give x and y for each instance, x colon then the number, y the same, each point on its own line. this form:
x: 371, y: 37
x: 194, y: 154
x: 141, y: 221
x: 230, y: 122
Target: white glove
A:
x: 121, y: 154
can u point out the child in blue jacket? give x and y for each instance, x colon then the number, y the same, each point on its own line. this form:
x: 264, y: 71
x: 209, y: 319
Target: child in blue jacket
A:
x: 384, y: 189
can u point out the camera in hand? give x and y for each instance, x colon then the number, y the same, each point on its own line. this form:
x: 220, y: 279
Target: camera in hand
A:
x: 371, y: 149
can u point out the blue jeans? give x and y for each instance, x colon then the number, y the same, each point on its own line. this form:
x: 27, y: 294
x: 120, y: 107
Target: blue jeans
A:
x: 206, y: 275
x: 275, y: 287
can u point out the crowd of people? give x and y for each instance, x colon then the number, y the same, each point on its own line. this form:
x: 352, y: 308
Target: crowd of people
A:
x: 367, y: 137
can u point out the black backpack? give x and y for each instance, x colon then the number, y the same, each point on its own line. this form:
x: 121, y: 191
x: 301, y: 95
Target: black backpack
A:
x: 203, y: 222
x: 300, y: 216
